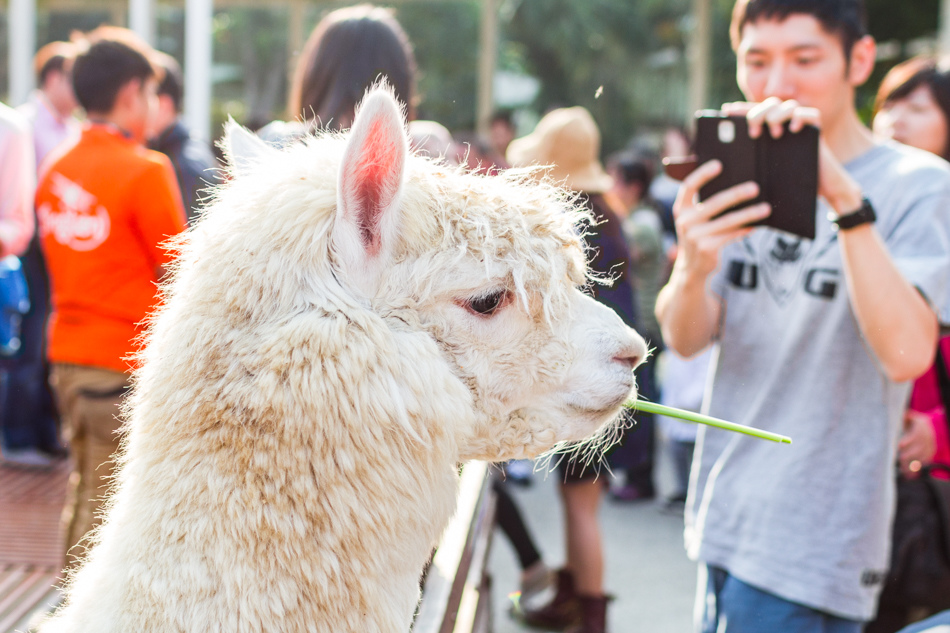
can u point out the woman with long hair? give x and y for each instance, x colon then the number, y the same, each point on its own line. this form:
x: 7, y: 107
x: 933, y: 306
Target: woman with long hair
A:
x: 349, y: 51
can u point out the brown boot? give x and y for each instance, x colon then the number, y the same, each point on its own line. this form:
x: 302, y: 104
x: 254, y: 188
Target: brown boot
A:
x: 562, y: 611
x: 593, y: 615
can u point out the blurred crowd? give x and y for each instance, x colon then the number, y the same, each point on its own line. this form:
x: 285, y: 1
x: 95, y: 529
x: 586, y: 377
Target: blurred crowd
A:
x: 835, y: 341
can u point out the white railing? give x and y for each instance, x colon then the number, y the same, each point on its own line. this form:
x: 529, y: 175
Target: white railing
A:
x: 456, y: 597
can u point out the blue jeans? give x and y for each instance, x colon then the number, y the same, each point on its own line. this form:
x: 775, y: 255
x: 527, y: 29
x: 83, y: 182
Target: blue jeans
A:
x: 28, y: 417
x: 930, y: 625
x: 732, y: 606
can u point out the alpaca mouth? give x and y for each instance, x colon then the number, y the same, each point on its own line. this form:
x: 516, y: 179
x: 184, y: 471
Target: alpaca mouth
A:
x: 588, y: 412
x: 604, y: 405
x: 605, y: 410
x: 588, y: 420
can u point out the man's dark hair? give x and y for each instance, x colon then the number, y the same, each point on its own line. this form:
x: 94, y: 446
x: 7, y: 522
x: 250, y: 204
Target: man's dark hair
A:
x: 504, y: 115
x: 349, y: 51
x: 108, y: 59
x: 845, y: 18
x: 633, y: 169
x: 173, y: 83
x: 52, y: 58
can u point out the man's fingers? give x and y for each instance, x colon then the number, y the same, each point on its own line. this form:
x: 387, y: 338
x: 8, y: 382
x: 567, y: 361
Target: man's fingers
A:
x: 723, y: 200
x: 737, y: 108
x: 756, y: 115
x: 776, y: 117
x: 732, y: 221
x: 715, y: 243
x: 694, y: 182
x: 720, y: 241
x: 774, y: 113
x: 803, y: 116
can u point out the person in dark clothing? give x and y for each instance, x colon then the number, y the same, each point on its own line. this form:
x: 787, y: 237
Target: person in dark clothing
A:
x: 643, y: 231
x: 28, y: 416
x: 192, y: 158
x: 536, y: 576
x: 568, y: 139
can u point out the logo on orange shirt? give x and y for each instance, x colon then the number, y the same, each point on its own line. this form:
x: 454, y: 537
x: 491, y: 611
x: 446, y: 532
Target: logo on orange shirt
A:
x: 78, y: 222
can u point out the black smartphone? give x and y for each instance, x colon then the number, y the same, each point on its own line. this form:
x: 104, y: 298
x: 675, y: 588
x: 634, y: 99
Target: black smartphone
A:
x: 785, y: 168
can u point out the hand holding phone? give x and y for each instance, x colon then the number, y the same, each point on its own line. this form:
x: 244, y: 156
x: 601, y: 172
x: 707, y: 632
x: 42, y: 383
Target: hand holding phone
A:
x: 785, y: 168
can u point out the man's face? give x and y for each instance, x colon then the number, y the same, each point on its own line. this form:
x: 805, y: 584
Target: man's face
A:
x: 794, y: 58
x: 501, y: 135
x: 58, y: 88
x: 145, y: 108
x: 164, y: 117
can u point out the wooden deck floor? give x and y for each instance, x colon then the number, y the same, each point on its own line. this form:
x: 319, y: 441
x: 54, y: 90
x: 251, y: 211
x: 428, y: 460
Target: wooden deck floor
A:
x: 30, y: 558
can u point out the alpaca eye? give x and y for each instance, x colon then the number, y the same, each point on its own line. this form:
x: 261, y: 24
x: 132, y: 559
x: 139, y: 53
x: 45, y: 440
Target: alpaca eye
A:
x: 487, y: 305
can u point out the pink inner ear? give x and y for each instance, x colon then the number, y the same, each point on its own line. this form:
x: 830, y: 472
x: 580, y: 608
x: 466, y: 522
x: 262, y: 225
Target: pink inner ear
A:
x: 377, y: 173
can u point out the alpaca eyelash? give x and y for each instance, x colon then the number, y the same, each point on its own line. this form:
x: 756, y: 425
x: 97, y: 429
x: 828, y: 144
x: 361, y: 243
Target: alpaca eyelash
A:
x: 487, y: 304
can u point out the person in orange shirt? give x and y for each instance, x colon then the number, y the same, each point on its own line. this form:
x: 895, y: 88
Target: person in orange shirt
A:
x: 104, y: 209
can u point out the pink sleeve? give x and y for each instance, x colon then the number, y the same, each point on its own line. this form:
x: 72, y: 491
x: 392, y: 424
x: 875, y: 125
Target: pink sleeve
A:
x: 17, y: 184
x: 941, y: 437
x: 938, y: 417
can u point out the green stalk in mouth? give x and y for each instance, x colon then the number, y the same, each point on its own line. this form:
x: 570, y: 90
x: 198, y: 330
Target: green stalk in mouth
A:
x: 698, y: 418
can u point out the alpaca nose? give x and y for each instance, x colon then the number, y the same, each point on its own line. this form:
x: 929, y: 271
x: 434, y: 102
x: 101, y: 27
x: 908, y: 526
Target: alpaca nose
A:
x: 633, y: 353
x: 630, y: 360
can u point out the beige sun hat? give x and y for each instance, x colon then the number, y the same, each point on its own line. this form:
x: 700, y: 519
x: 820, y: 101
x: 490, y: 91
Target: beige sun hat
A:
x: 569, y: 141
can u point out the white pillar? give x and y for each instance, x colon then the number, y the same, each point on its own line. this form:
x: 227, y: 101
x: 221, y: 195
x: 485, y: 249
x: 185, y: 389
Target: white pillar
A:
x: 198, y: 58
x: 142, y: 19
x: 21, y: 24
x: 487, y: 60
x: 944, y: 33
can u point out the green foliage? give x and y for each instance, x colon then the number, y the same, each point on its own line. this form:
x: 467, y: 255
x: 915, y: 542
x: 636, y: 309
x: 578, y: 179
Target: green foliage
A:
x: 251, y: 55
x: 250, y: 48
x: 637, y: 51
x: 902, y: 21
x: 445, y: 39
x: 575, y: 48
x: 723, y: 87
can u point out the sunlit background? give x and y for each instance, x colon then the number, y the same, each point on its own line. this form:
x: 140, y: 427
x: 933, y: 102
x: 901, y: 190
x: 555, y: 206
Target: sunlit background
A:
x: 656, y: 60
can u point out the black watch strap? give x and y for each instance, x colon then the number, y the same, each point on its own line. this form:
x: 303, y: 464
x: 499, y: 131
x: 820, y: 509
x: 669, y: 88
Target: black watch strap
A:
x: 864, y: 215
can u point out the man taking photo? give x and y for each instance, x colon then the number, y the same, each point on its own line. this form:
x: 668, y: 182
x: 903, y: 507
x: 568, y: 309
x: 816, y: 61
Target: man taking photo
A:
x: 817, y: 339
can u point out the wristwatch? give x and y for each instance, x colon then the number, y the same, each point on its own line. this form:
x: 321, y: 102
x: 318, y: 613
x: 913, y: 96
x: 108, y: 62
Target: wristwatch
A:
x: 864, y: 215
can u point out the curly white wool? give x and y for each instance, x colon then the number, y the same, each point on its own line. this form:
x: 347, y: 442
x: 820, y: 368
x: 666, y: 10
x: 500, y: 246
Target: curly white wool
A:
x: 316, y: 373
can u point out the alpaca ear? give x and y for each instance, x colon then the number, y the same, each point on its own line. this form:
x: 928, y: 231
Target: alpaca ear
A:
x: 243, y: 148
x: 370, y: 183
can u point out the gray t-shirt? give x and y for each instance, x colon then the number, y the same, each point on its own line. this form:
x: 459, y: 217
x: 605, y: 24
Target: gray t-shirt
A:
x: 810, y: 521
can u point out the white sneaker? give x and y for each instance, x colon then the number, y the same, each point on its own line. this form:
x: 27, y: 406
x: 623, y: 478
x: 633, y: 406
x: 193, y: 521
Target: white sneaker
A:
x: 537, y: 581
x: 519, y: 471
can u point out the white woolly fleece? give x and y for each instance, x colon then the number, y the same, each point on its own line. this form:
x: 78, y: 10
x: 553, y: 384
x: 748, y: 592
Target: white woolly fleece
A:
x: 293, y: 436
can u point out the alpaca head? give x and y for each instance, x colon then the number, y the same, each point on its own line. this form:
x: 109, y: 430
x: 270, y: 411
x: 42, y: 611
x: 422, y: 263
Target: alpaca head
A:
x: 491, y: 269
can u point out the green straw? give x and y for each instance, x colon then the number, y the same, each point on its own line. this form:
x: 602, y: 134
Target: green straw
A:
x: 698, y: 418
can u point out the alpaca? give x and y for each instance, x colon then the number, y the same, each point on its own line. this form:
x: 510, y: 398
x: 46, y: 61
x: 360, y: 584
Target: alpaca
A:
x: 345, y: 324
